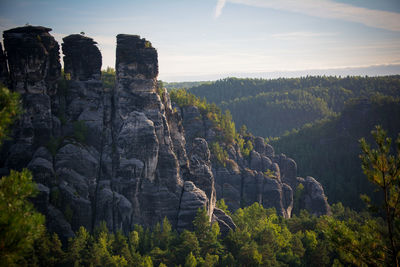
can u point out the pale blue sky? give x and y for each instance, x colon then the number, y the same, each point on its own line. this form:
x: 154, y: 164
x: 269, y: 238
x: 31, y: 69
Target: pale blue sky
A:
x: 208, y: 39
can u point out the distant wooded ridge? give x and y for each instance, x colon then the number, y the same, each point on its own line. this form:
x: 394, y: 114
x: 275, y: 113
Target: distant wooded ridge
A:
x: 316, y: 120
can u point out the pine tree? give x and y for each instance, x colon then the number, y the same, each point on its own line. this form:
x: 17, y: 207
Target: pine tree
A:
x: 383, y: 170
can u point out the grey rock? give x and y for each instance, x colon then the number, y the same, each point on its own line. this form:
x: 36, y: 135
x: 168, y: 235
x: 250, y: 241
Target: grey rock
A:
x: 82, y: 58
x: 200, y: 170
x: 269, y: 151
x: 44, y: 153
x: 77, y: 210
x: 137, y: 64
x: 255, y: 161
x: 78, y: 158
x: 137, y: 139
x: 192, y: 199
x: 273, y: 196
x: 33, y: 59
x: 287, y: 200
x: 41, y: 200
x: 42, y: 170
x: 224, y: 221
x: 259, y: 145
x: 57, y: 223
x: 314, y: 198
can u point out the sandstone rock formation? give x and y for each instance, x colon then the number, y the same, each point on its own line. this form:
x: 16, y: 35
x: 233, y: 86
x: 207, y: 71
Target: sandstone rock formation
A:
x: 126, y: 155
x: 262, y: 177
x: 116, y: 155
x: 82, y: 60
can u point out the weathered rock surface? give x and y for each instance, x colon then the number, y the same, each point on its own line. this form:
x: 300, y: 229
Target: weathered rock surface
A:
x: 224, y: 221
x: 82, y: 58
x: 33, y: 59
x: 192, y: 199
x: 314, y: 199
x: 262, y: 177
x: 128, y: 156
x: 118, y: 155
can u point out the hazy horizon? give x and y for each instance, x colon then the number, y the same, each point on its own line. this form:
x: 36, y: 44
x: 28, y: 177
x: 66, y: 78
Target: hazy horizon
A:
x: 213, y: 39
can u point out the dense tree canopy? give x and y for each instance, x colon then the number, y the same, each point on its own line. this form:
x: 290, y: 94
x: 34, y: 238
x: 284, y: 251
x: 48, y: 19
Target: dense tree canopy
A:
x: 271, y: 107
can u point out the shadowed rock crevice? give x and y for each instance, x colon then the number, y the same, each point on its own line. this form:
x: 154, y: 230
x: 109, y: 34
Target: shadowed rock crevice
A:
x: 127, y: 155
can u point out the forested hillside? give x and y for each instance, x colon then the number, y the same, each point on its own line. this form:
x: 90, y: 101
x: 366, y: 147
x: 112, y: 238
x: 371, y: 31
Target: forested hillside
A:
x: 317, y: 121
x: 329, y: 149
x: 272, y: 107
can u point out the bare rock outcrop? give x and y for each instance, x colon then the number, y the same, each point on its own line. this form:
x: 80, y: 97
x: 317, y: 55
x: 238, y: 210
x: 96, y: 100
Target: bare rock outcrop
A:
x: 127, y: 155
x: 33, y: 59
x: 261, y: 177
x: 116, y: 155
x: 82, y: 58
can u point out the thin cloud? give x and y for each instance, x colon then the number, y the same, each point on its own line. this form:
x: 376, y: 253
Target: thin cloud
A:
x: 297, y: 35
x: 327, y: 9
x: 218, y: 8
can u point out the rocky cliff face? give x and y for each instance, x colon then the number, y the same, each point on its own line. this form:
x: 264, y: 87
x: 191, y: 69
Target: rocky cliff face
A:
x: 262, y: 177
x: 125, y: 155
x: 102, y: 155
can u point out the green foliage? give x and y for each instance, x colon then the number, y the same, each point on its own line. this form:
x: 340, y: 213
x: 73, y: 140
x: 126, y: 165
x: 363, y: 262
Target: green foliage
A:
x: 285, y: 104
x: 190, y: 260
x: 222, y: 122
x: 328, y: 149
x: 9, y: 110
x: 160, y: 88
x: 221, y: 205
x: 47, y: 251
x: 247, y: 148
x: 219, y: 153
x: 383, y: 170
x: 261, y: 239
x: 297, y: 196
x: 20, y: 224
x: 357, y: 243
x: 108, y: 78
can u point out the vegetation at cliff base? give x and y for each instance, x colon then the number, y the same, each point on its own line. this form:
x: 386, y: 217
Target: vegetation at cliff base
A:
x: 20, y: 223
x: 261, y: 238
x: 317, y: 121
x: 9, y: 110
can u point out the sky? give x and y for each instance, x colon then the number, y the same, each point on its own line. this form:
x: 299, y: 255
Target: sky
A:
x: 213, y: 39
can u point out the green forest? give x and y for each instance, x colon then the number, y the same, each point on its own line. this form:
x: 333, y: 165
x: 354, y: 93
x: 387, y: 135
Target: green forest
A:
x: 329, y: 150
x: 317, y: 121
x: 347, y: 238
x: 284, y: 104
